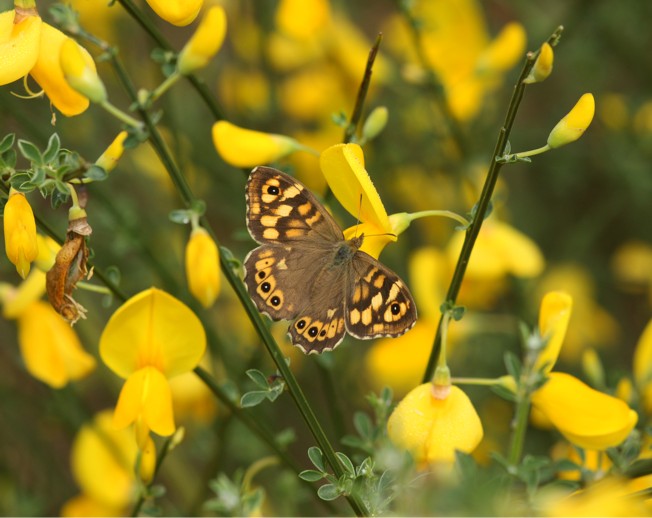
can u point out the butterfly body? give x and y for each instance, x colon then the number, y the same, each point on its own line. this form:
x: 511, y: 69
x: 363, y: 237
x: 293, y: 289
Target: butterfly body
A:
x: 306, y: 272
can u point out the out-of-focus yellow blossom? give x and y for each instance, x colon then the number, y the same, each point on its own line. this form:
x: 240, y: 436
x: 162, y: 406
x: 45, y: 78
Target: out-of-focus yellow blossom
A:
x: 586, y: 417
x: 499, y: 251
x: 242, y: 147
x: 99, y: 18
x: 203, y: 267
x: 542, y: 66
x: 15, y: 300
x: 574, y: 123
x: 102, y: 460
x: 302, y: 19
x: 192, y: 398
x: 632, y: 266
x: 20, y: 232
x: 592, y: 325
x: 247, y: 91
x: 151, y: 337
x: 312, y: 92
x: 468, y: 72
x: 643, y: 366
x: 433, y: 426
x: 47, y: 72
x: 594, y: 461
x: 50, y: 348
x: 608, y: 497
x: 204, y: 43
x: 642, y: 121
x: 625, y: 390
x: 147, y: 461
x: 176, y: 12
x: 109, y: 159
x: 593, y: 368
x: 79, y: 71
x: 613, y: 111
x: 554, y: 314
x: 20, y: 33
x: 47, y: 252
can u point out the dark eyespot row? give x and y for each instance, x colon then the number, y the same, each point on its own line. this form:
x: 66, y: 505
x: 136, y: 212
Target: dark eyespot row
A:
x: 265, y: 287
x: 275, y: 300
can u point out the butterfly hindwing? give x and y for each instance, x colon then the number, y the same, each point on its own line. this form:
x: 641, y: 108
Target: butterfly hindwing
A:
x: 281, y: 209
x: 378, y: 303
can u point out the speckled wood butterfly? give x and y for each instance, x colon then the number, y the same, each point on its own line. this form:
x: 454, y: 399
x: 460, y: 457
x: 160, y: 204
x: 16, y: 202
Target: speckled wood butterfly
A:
x: 306, y: 272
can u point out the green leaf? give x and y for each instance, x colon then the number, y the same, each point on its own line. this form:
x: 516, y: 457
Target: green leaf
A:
x: 30, y: 152
x: 504, y: 393
x: 52, y: 151
x: 253, y: 398
x: 346, y: 463
x: 96, y: 173
x: 252, y: 501
x: 316, y: 457
x: 10, y: 158
x: 258, y: 378
x: 513, y: 365
x: 328, y: 492
x: 18, y: 179
x: 566, y: 465
x: 311, y: 475
x: 354, y: 441
x: 7, y: 143
x: 38, y: 175
x: 363, y: 425
x: 181, y: 216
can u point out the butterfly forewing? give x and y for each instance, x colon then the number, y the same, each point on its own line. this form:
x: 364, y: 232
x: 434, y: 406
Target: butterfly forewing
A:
x: 281, y: 210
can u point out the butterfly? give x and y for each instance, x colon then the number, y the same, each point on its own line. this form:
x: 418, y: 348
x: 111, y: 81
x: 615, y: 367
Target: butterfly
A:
x: 306, y: 272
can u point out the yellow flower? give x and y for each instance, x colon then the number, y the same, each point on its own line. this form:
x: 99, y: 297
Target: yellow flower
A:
x: 591, y: 460
x: 177, y: 12
x: 151, y: 337
x: 109, y: 159
x: 542, y: 66
x: 433, y: 427
x: 102, y: 461
x: 632, y: 265
x: 47, y: 252
x: 204, y: 43
x: 50, y: 348
x: 554, y: 314
x: 79, y: 71
x: 242, y: 147
x: 302, y: 19
x: 203, y: 267
x: 19, y: 44
x: 586, y: 417
x: 505, y: 50
x: 16, y: 300
x: 643, y: 366
x: 574, y: 123
x: 20, y: 232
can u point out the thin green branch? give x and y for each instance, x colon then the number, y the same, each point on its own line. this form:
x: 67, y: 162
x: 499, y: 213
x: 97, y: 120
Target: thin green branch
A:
x: 483, y: 203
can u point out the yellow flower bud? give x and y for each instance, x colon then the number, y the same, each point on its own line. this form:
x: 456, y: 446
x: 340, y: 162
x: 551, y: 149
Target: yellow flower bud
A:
x: 79, y: 74
x: 203, y: 267
x: 148, y: 461
x: 177, y: 12
x: 204, y: 43
x: 247, y: 148
x: 48, y: 74
x: 20, y: 233
x: 433, y: 428
x: 542, y: 66
x: 592, y: 367
x: 19, y: 45
x: 109, y: 159
x: 375, y: 123
x: 573, y: 125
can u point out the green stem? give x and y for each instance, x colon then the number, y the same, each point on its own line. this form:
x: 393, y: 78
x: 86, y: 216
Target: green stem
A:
x: 442, y: 213
x: 489, y: 382
x: 533, y: 152
x: 164, y: 86
x: 120, y: 115
x: 520, y: 427
x: 83, y: 285
x: 482, y: 207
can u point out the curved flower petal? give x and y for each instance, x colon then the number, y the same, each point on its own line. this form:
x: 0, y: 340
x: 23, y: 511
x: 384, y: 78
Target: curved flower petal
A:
x: 19, y: 46
x: 586, y: 417
x: 574, y: 123
x: 48, y: 74
x: 343, y: 168
x: 433, y: 429
x: 146, y: 394
x: 176, y: 12
x: 50, y: 348
x: 79, y: 71
x: 203, y: 267
x: 152, y: 329
x: 109, y: 159
x: 19, y: 299
x: 554, y: 315
x: 102, y: 462
x: 505, y: 50
x: 205, y: 42
x: 20, y: 233
x: 242, y: 147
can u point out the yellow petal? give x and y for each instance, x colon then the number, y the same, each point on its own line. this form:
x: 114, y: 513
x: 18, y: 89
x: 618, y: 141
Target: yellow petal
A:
x: 573, y: 125
x: 20, y: 233
x: 28, y: 292
x: 586, y: 417
x: 109, y: 159
x: 433, y: 429
x: 50, y: 348
x: 203, y: 267
x: 643, y: 357
x: 19, y: 46
x: 152, y: 329
x: 375, y: 238
x: 343, y: 168
x: 505, y: 50
x: 554, y: 315
x: 48, y: 74
x: 302, y: 19
x: 241, y: 147
x: 103, y: 460
x: 146, y: 395
x: 542, y: 66
x: 205, y: 42
x: 47, y: 252
x: 177, y: 12
x: 148, y: 461
x: 80, y: 72
x: 83, y: 505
